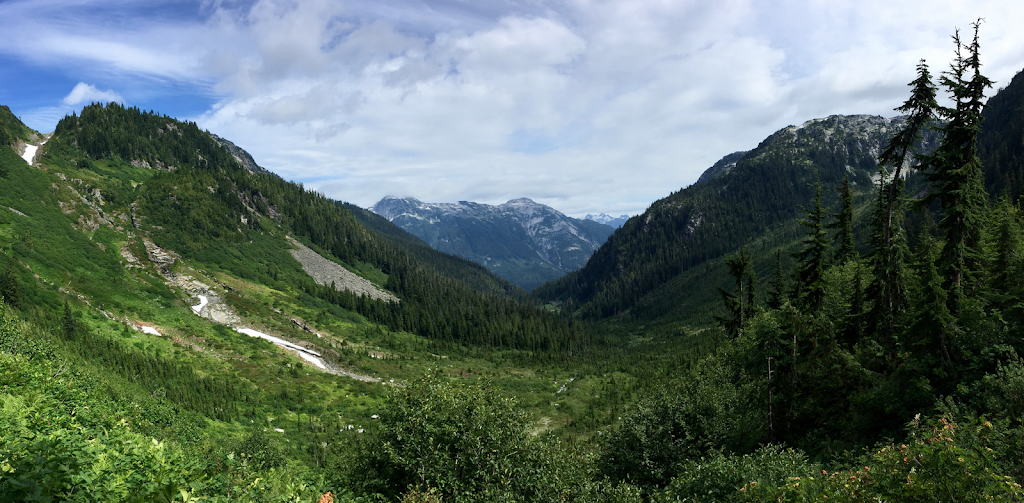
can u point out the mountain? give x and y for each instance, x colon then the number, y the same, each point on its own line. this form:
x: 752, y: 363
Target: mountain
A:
x: 608, y: 220
x: 721, y: 167
x: 522, y: 241
x: 744, y: 196
x: 240, y: 155
x: 167, y: 308
x: 173, y: 323
x: 1001, y: 141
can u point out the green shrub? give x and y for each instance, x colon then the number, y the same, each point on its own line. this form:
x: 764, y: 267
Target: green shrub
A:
x: 464, y: 443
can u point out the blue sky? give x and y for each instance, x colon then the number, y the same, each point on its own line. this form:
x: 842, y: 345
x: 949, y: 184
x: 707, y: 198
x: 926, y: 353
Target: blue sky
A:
x: 586, y: 105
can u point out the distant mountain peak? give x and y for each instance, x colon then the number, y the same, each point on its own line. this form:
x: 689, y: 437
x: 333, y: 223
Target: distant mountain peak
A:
x: 523, y: 200
x: 521, y: 240
x: 601, y: 218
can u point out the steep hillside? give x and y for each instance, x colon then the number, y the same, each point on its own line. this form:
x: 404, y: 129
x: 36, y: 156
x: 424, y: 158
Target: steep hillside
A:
x: 741, y: 198
x: 11, y: 129
x: 522, y: 241
x: 1001, y: 142
x: 175, y: 185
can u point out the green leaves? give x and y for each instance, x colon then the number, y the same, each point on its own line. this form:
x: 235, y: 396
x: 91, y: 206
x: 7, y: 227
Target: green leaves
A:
x: 464, y: 443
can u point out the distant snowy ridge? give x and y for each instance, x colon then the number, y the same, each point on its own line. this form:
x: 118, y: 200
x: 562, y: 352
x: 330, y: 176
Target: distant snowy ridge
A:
x: 608, y: 220
x: 506, y: 238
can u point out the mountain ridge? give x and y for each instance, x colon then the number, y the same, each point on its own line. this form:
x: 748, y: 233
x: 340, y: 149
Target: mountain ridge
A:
x: 520, y: 240
x: 739, y: 198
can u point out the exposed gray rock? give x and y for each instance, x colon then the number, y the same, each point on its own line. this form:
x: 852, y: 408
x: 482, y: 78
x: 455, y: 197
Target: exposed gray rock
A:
x: 240, y: 155
x: 325, y: 272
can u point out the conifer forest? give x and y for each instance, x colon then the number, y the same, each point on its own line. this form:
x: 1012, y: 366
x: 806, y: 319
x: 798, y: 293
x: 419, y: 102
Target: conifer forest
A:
x: 839, y: 316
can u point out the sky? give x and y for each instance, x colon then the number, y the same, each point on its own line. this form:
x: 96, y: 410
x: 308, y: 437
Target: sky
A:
x: 589, y: 106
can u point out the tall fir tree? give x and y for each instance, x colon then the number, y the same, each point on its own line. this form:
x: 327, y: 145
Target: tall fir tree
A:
x: 889, y: 249
x: 933, y: 326
x: 888, y: 258
x: 920, y: 109
x: 777, y: 287
x: 854, y: 326
x: 954, y: 170
x: 740, y: 304
x: 812, y: 259
x: 1006, y: 285
x: 843, y: 224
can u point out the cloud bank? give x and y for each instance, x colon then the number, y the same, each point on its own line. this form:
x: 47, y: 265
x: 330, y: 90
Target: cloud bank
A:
x: 587, y: 105
x: 83, y: 94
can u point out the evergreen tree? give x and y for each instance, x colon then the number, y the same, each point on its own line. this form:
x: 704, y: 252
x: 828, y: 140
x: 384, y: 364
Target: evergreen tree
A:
x: 920, y: 107
x: 1006, y: 285
x: 68, y: 322
x: 933, y: 325
x: 812, y: 260
x: 889, y: 255
x: 843, y: 224
x: 955, y: 172
x: 10, y: 288
x: 854, y: 329
x: 777, y: 293
x: 740, y: 304
x: 889, y: 248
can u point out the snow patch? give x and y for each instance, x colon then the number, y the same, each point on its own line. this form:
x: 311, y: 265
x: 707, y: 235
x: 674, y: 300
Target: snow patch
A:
x: 203, y: 301
x: 306, y: 354
x: 30, y: 152
x: 149, y: 330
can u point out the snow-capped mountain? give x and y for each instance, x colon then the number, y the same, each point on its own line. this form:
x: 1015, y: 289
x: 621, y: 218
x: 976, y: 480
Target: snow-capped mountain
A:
x: 608, y: 220
x: 523, y: 241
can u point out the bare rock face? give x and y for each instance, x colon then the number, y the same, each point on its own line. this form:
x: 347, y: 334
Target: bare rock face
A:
x: 240, y: 155
x: 325, y: 272
x: 163, y: 259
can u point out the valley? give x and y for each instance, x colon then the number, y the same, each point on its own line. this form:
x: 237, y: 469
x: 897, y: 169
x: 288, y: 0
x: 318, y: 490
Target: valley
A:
x: 180, y: 324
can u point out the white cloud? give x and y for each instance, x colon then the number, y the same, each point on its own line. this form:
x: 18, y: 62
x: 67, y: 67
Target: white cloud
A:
x: 83, y: 94
x: 588, y: 105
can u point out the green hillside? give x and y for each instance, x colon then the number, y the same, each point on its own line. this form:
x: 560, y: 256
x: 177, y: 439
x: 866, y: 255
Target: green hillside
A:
x: 101, y: 253
x: 177, y: 327
x: 11, y: 129
x: 1001, y: 142
x: 758, y: 198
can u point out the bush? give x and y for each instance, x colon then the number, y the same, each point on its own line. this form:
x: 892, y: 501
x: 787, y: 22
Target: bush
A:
x: 719, y: 477
x: 463, y: 444
x: 942, y: 460
x: 682, y: 421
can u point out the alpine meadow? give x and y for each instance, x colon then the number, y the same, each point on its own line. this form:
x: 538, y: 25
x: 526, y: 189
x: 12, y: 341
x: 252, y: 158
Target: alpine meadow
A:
x: 836, y: 314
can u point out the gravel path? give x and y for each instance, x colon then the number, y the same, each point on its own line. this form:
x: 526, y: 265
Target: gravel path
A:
x: 325, y: 272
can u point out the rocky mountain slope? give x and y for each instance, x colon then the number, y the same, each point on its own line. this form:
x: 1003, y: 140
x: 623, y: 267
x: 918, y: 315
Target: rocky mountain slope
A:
x: 522, y: 241
x: 742, y: 197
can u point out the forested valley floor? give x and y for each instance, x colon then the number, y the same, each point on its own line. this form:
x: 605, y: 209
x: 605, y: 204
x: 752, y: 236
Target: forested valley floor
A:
x: 862, y: 344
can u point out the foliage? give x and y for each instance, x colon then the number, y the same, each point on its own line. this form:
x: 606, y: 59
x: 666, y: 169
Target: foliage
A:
x: 955, y: 171
x: 719, y: 477
x: 461, y: 443
x: 843, y: 225
x: 942, y: 459
x: 741, y: 304
x: 813, y: 257
x: 12, y: 129
x: 682, y: 420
